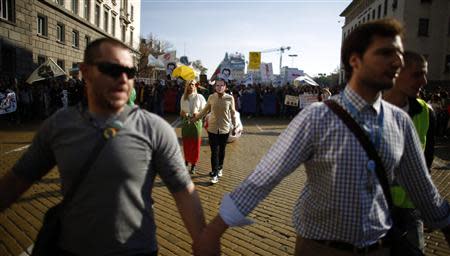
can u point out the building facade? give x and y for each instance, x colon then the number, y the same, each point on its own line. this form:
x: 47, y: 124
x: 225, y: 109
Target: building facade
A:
x: 31, y: 31
x: 427, y: 27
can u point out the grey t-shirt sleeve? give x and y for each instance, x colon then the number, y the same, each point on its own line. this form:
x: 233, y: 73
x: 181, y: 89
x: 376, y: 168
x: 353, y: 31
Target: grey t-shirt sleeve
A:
x: 168, y: 160
x: 38, y: 159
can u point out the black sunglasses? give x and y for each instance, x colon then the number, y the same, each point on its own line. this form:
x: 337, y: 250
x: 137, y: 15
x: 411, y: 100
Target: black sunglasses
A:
x: 115, y: 70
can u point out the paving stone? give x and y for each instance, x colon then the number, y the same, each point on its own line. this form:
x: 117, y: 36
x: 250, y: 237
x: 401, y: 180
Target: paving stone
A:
x: 20, y: 237
x: 4, y: 251
x: 272, y: 233
x: 10, y: 242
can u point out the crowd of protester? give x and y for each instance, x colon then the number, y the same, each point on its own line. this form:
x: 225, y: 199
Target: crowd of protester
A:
x: 41, y: 99
x: 439, y: 99
x: 163, y: 96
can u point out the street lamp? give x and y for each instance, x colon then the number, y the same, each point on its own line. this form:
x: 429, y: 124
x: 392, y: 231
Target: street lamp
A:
x: 292, y: 58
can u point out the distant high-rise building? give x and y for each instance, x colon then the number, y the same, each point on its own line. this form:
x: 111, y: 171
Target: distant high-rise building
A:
x: 235, y: 63
x: 427, y: 27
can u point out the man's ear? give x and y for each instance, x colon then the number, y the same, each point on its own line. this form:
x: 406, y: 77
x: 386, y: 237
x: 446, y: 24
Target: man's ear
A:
x: 84, y: 71
x: 354, y: 61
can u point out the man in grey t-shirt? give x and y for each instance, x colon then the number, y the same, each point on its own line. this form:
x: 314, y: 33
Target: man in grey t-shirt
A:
x: 111, y: 212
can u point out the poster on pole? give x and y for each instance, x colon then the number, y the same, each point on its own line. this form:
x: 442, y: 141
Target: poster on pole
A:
x: 307, y: 99
x: 266, y: 72
x: 169, y: 59
x: 225, y: 74
x: 291, y: 100
x: 8, y: 102
x: 254, y: 60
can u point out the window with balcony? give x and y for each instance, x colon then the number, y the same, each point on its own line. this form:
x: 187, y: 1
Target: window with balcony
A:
x: 132, y: 12
x: 105, y: 20
x: 394, y: 4
x: 124, y: 31
x: 75, y: 6
x: 60, y: 31
x: 7, y: 10
x: 124, y: 6
x: 97, y: 15
x: 75, y: 38
x: 131, y: 38
x: 113, y: 25
x: 423, y: 27
x: 42, y: 25
x: 87, y: 10
x: 61, y: 64
x: 385, y: 8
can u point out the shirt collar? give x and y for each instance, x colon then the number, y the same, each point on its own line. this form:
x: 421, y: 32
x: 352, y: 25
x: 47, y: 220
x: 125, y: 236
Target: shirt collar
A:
x: 359, y: 103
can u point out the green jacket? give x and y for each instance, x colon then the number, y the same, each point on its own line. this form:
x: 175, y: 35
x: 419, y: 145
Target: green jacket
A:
x: 423, y: 118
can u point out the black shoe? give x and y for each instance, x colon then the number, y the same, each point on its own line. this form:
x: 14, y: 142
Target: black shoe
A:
x: 193, y: 170
x: 212, y: 174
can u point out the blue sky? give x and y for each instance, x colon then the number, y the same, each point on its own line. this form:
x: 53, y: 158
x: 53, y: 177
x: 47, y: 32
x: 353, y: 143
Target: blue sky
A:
x: 206, y: 29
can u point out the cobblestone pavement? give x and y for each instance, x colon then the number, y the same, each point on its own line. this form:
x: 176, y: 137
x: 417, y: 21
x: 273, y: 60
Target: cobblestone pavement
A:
x: 272, y: 234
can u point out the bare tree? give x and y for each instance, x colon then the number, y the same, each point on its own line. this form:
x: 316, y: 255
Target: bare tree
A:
x: 198, y: 65
x: 154, y: 46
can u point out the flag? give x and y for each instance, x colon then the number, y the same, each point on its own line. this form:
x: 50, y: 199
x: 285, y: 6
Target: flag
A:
x: 155, y: 63
x: 254, y: 60
x: 168, y: 57
x: 48, y: 69
x: 216, y: 73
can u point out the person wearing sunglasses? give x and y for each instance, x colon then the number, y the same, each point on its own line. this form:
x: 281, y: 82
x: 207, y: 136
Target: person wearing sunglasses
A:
x: 111, y: 210
x: 221, y: 122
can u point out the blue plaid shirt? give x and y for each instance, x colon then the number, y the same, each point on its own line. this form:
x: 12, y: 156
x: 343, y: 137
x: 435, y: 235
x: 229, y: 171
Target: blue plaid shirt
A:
x: 342, y: 199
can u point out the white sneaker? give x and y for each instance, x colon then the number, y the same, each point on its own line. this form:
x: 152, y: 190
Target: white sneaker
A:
x: 219, y: 173
x: 214, y: 179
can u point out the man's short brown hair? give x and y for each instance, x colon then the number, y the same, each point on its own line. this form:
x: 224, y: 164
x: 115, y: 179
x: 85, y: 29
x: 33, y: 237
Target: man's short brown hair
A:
x: 359, y: 39
x: 92, y: 52
x: 411, y: 57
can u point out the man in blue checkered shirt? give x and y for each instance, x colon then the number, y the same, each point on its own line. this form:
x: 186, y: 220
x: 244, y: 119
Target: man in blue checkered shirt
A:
x: 342, y: 208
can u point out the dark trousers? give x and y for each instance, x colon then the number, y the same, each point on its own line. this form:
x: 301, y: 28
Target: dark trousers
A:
x: 217, y: 143
x: 66, y: 253
x: 308, y: 247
